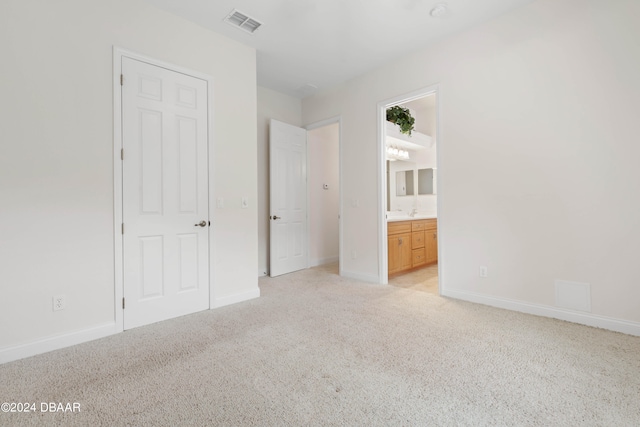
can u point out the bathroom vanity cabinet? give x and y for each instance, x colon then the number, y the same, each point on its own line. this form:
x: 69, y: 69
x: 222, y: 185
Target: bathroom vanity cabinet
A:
x: 411, y: 244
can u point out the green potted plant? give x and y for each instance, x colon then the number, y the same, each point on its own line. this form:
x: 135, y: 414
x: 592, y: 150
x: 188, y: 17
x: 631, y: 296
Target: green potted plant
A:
x: 401, y: 117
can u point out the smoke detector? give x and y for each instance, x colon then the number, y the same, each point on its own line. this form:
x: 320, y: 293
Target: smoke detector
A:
x: 440, y: 11
x: 244, y: 22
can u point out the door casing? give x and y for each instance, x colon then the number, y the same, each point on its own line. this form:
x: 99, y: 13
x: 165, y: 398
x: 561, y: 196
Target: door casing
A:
x: 118, y: 54
x: 383, y: 268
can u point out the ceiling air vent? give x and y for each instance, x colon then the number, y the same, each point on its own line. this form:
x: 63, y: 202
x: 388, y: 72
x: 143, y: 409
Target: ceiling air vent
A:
x: 242, y: 21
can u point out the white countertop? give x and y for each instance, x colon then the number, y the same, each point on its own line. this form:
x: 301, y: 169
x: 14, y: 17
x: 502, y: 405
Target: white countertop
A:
x: 406, y: 217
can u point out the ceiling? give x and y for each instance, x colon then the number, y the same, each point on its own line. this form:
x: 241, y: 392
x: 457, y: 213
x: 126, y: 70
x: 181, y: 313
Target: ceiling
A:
x: 304, y: 44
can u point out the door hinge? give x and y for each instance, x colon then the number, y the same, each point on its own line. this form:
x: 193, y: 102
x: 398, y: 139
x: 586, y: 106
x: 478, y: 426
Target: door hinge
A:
x: 123, y: 228
x: 122, y: 154
x: 121, y: 79
x: 123, y: 303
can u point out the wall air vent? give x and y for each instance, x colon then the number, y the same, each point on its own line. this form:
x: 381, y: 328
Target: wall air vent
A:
x: 242, y: 21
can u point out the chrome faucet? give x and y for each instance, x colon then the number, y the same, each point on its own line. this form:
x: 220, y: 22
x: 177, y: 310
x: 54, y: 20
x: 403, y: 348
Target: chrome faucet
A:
x: 413, y: 213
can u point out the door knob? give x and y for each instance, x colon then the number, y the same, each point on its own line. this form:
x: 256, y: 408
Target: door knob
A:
x: 276, y: 217
x: 201, y: 224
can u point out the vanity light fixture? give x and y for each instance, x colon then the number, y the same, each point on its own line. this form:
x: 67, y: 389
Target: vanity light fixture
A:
x: 394, y: 153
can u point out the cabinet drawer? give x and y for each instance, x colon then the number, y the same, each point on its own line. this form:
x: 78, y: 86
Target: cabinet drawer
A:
x: 418, y: 225
x: 398, y: 227
x: 417, y: 239
x: 419, y: 257
x: 430, y: 224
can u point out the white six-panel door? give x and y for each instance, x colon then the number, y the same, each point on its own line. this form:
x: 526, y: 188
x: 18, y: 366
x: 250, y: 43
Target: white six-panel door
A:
x: 288, y: 198
x: 165, y: 193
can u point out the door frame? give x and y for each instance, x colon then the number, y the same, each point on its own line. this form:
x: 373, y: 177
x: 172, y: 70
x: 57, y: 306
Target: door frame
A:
x: 383, y: 267
x: 309, y: 127
x: 118, y: 54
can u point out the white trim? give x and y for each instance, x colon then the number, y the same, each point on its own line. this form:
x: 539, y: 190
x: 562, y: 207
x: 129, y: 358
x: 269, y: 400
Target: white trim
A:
x: 316, y: 125
x: 44, y: 345
x: 383, y: 268
x: 212, y: 194
x: 118, y: 54
x: 369, y: 278
x: 323, y: 123
x: 117, y: 189
x: 322, y: 261
x: 236, y: 298
x: 624, y: 326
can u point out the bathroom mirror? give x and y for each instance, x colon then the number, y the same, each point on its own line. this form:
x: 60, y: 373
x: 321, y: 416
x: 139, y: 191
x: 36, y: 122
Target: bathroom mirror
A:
x: 404, y: 183
x: 427, y: 181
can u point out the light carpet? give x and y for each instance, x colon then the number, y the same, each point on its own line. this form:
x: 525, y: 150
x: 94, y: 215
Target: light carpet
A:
x: 321, y: 350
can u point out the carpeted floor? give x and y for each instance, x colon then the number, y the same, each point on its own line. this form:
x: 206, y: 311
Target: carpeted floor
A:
x: 317, y: 349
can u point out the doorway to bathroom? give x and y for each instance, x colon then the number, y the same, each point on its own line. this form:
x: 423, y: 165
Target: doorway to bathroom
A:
x: 409, y: 255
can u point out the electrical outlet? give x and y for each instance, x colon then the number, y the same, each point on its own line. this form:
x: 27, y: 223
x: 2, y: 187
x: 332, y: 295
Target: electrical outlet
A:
x: 484, y: 271
x: 59, y: 302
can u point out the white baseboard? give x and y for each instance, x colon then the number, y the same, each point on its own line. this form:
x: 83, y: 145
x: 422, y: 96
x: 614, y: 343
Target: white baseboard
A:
x: 322, y: 261
x: 9, y: 354
x: 236, y: 298
x: 44, y: 345
x: 610, y: 323
x: 369, y: 278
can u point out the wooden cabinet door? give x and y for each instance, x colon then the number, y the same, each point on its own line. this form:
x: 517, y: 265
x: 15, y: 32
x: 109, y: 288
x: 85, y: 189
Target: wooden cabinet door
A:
x: 405, y: 250
x: 431, y: 245
x: 399, y: 252
x: 394, y: 254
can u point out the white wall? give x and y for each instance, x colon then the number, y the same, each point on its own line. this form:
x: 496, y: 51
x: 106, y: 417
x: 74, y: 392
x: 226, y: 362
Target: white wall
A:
x: 538, y: 153
x: 323, y: 150
x: 284, y: 108
x: 56, y: 167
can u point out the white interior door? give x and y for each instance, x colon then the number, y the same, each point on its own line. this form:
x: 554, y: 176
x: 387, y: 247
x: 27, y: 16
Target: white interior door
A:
x: 165, y: 193
x: 288, y: 198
